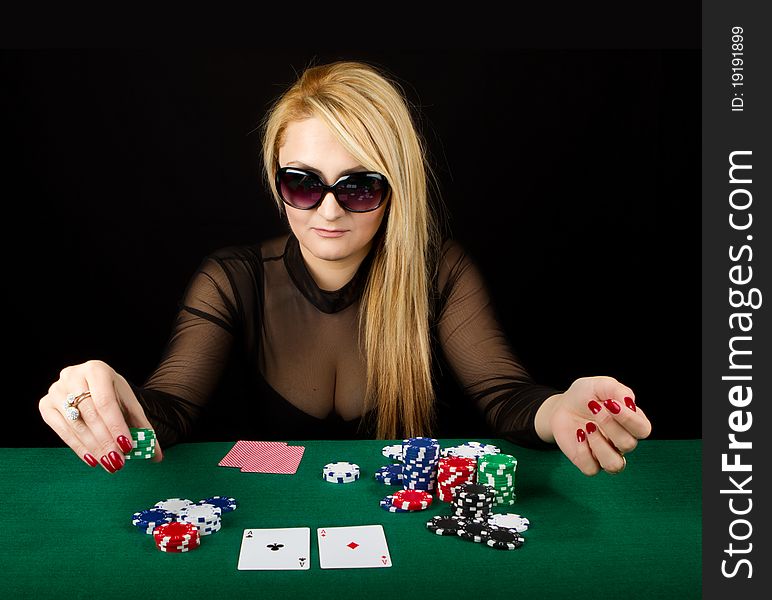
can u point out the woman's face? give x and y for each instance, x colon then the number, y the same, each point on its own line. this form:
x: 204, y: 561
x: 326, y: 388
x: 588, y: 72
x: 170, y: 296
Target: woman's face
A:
x: 309, y: 145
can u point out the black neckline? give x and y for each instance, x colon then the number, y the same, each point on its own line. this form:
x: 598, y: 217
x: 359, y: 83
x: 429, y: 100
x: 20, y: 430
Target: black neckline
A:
x: 327, y: 301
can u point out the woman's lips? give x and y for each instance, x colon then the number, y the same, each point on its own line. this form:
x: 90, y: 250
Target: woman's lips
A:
x: 328, y: 233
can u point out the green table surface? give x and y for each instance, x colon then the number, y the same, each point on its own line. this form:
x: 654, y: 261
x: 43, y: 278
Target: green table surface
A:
x: 66, y: 529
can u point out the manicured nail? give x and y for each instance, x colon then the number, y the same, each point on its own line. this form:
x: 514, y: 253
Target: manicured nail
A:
x: 612, y: 406
x: 630, y: 404
x: 92, y: 462
x: 594, y: 407
x: 124, y: 443
x: 106, y: 464
x: 116, y: 459
x: 591, y: 428
x: 580, y: 437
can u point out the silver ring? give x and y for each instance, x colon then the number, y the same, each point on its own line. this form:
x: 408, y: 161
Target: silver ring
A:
x: 71, y: 403
x: 624, y: 465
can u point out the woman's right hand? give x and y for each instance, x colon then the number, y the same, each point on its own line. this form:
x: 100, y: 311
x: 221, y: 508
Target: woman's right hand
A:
x: 101, y: 433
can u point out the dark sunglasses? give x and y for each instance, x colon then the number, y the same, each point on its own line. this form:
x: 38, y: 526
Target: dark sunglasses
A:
x: 356, y: 192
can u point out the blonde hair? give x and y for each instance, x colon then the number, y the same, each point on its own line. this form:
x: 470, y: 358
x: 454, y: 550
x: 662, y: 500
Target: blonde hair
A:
x: 367, y: 110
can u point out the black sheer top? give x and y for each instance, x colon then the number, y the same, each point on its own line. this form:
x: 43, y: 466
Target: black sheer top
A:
x: 259, y: 351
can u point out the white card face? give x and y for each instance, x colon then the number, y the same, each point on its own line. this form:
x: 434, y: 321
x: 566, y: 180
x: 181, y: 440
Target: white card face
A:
x: 275, y: 549
x: 353, y: 547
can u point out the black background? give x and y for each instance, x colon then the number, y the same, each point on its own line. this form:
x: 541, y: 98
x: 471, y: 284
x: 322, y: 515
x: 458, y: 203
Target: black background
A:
x: 123, y: 168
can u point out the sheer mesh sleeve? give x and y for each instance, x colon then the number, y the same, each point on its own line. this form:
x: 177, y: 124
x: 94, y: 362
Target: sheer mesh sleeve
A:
x: 203, y: 334
x: 480, y: 355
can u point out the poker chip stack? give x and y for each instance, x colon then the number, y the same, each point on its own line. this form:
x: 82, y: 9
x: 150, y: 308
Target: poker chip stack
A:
x: 478, y: 530
x: 142, y: 444
x: 177, y: 524
x: 340, y: 472
x: 452, y: 472
x: 498, y: 471
x: 473, y: 501
x: 177, y: 537
x: 420, y: 456
x: 390, y: 474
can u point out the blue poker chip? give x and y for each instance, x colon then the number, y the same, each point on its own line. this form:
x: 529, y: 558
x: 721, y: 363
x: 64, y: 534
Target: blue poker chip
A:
x: 386, y: 505
x: 387, y: 481
x: 393, y: 469
x: 389, y: 474
x: 145, y: 518
x: 420, y: 442
x: 225, y: 503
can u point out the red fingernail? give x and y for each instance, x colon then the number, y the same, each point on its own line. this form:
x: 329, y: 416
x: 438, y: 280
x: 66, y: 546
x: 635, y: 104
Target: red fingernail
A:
x: 116, y: 459
x: 594, y: 407
x: 612, y: 406
x: 630, y: 404
x: 92, y: 462
x: 591, y: 428
x: 106, y: 464
x: 124, y: 443
x: 580, y: 437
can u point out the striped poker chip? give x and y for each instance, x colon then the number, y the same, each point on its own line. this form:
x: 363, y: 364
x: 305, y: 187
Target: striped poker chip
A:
x: 144, y: 518
x: 340, y: 472
x: 475, y: 491
x: 394, y: 451
x: 475, y: 531
x: 341, y: 467
x: 387, y: 504
x: 445, y: 524
x: 393, y: 473
x: 177, y: 550
x: 510, y: 521
x: 175, y: 531
x: 174, y: 505
x: 332, y: 478
x: 504, y: 539
x: 200, y: 514
x: 411, y: 499
x: 208, y: 530
x: 225, y: 503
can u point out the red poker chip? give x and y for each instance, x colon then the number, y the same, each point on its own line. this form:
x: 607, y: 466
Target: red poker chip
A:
x: 411, y: 499
x: 175, y: 531
x: 173, y: 546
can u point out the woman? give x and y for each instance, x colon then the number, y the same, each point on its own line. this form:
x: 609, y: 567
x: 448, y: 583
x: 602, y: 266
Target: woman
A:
x: 339, y: 323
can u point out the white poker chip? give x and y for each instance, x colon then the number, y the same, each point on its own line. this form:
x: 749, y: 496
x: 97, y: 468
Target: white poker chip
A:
x: 200, y: 513
x: 394, y: 452
x: 174, y: 505
x: 471, y: 449
x: 341, y: 468
x: 511, y: 521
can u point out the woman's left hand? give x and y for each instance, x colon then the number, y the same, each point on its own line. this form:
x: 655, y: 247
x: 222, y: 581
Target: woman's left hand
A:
x: 594, y: 422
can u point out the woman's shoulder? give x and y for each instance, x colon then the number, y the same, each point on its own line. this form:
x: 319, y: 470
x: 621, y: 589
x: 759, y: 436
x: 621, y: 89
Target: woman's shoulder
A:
x: 255, y: 253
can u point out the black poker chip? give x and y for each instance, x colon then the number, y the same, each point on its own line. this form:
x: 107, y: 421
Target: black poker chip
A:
x: 445, y: 524
x: 504, y: 539
x: 473, y: 531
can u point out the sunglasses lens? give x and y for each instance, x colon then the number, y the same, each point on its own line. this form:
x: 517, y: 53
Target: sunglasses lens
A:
x: 300, y: 190
x: 361, y: 192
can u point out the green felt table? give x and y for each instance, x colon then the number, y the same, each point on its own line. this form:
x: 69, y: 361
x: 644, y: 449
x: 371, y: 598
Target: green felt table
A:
x: 66, y: 529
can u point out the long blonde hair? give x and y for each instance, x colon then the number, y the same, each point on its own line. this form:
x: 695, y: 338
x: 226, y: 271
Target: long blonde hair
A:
x: 368, y: 111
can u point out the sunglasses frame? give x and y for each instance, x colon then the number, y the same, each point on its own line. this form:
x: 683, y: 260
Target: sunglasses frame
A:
x: 331, y: 188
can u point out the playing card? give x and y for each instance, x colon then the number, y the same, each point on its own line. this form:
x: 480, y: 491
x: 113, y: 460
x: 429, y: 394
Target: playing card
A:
x: 353, y: 547
x: 243, y: 450
x: 273, y: 459
x: 275, y: 549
